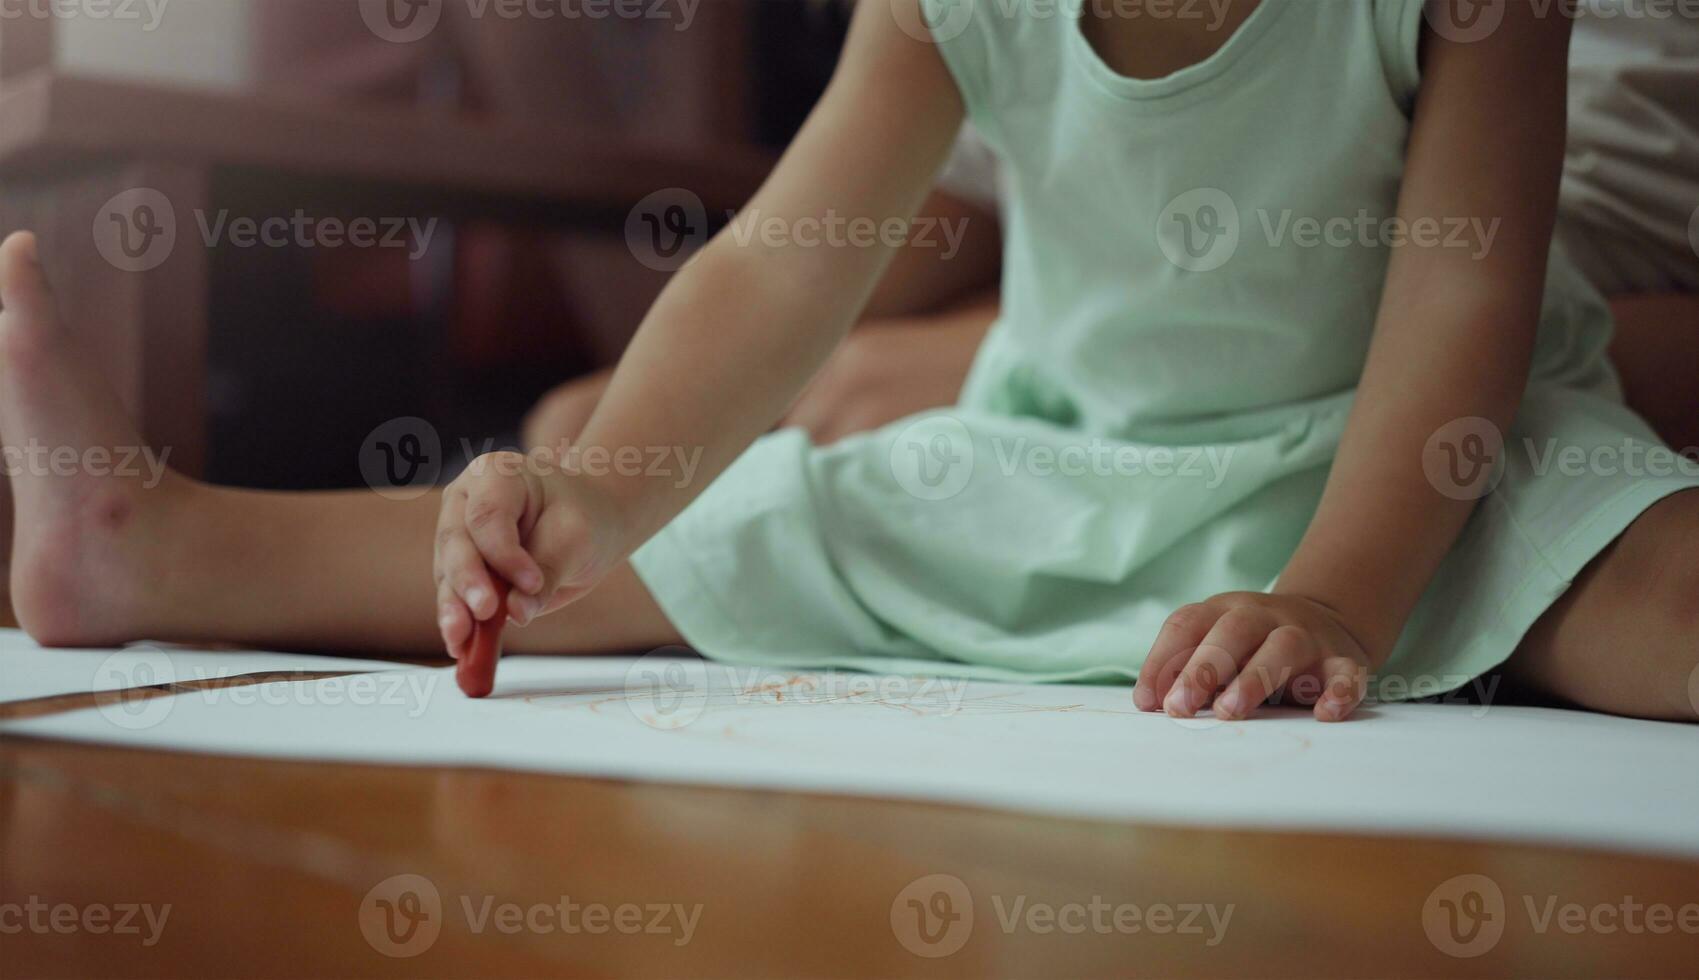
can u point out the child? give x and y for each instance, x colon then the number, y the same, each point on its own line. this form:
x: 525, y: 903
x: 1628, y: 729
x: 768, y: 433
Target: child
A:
x: 1304, y: 248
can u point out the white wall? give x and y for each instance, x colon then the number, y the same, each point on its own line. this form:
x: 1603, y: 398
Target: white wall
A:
x: 196, y: 42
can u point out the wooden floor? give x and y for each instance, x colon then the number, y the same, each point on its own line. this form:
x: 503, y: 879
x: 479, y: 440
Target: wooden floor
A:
x: 277, y: 869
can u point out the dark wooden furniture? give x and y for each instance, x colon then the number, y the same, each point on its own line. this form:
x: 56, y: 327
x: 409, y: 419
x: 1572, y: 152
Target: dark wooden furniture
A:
x: 69, y: 145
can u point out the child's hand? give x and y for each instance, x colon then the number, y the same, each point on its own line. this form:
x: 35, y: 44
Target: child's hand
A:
x: 543, y: 531
x: 1254, y: 645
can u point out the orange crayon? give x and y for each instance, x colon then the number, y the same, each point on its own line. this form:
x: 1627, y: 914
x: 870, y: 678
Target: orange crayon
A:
x: 476, y: 673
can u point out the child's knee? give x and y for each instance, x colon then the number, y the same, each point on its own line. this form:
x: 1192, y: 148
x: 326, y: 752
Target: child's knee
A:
x: 1664, y: 548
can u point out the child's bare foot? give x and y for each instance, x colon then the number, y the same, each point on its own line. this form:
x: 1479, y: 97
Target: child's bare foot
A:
x: 90, y: 500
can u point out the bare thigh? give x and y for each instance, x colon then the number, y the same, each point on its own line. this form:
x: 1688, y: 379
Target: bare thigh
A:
x: 1625, y: 638
x: 1656, y: 352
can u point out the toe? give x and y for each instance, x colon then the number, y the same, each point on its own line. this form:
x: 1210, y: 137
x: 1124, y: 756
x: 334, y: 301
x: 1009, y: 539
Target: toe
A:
x: 23, y: 287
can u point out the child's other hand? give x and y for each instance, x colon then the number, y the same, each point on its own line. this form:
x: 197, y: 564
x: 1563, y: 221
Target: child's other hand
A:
x: 520, y: 517
x: 1239, y: 648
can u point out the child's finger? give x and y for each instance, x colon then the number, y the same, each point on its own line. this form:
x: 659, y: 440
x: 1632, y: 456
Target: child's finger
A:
x: 457, y: 561
x: 1180, y: 635
x: 493, y: 515
x: 1286, y: 651
x: 468, y: 578
x: 1234, y: 639
x: 1207, y: 671
x: 1345, y: 683
x: 454, y: 620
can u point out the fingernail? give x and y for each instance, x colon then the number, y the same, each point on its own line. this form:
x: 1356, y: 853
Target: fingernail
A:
x: 1330, y: 710
x: 445, y: 622
x: 477, y: 597
x: 1143, y: 698
x: 1179, y: 699
x: 1227, y: 705
x: 530, y: 582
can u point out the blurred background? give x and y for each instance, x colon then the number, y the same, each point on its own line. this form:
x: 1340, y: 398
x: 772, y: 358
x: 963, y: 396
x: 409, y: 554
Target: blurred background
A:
x: 387, y: 110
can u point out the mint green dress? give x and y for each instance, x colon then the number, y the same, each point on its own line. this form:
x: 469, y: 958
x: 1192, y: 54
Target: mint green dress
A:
x: 1152, y: 420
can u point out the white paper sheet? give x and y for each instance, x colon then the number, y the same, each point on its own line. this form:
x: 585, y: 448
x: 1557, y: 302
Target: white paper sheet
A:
x: 1455, y: 770
x: 27, y: 671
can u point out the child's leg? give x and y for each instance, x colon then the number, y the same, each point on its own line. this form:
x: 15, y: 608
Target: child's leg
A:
x: 1625, y: 637
x: 101, y: 557
x: 1656, y: 351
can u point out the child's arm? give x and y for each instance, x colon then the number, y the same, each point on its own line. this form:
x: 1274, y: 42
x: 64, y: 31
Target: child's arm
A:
x: 1450, y: 358
x: 729, y: 344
